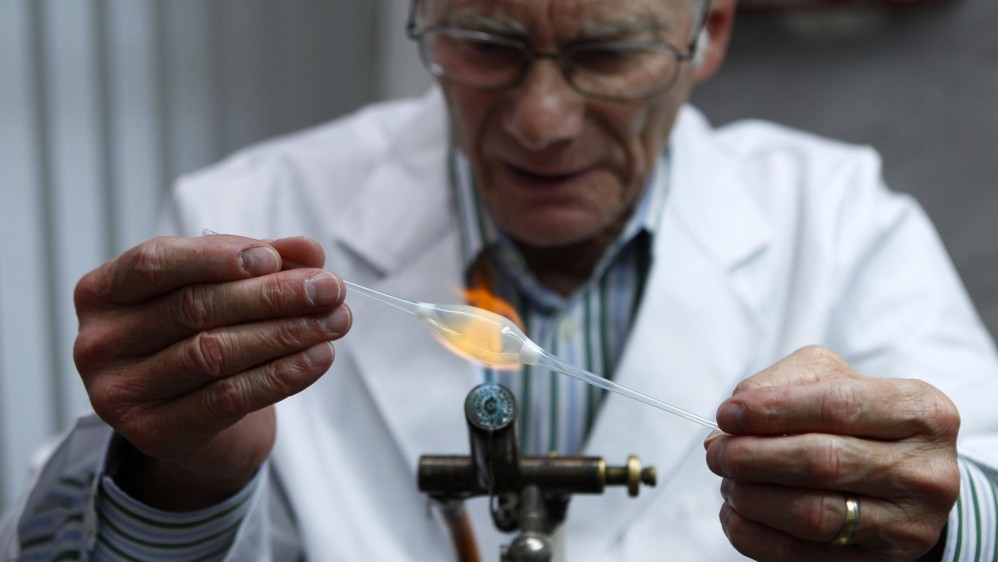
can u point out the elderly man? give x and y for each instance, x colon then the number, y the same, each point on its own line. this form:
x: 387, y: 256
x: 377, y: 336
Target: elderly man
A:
x: 556, y: 166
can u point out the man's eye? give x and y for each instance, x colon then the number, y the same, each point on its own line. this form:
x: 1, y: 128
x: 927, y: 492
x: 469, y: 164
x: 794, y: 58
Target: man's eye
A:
x: 492, y: 51
x: 601, y: 60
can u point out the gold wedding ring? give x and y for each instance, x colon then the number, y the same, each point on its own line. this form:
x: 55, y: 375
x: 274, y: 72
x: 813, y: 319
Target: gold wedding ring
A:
x: 851, y: 522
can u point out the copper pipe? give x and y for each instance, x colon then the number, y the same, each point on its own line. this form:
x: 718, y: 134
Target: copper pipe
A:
x: 461, y: 533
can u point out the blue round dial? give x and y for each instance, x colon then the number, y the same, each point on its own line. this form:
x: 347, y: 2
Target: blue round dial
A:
x: 490, y: 406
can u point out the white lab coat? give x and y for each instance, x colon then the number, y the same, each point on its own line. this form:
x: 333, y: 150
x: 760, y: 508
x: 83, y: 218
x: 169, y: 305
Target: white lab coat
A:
x: 771, y: 240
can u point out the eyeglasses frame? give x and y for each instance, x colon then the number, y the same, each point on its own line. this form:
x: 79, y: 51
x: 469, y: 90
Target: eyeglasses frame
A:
x: 561, y: 56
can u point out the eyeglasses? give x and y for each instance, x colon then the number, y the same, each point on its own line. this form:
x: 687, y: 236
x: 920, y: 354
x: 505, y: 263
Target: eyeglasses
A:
x: 612, y: 71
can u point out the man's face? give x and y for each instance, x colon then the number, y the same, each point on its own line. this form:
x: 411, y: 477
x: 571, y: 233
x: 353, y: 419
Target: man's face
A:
x: 554, y: 166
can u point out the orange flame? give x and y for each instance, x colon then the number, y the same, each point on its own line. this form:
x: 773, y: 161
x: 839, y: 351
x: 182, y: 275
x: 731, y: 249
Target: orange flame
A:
x: 478, y: 340
x: 482, y: 298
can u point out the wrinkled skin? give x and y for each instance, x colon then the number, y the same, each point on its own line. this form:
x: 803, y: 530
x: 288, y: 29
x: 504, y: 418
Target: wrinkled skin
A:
x: 185, y: 345
x: 802, y: 432
x: 561, y: 171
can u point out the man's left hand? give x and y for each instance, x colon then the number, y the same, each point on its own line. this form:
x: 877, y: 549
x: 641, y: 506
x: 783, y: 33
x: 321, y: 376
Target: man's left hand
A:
x: 808, y: 432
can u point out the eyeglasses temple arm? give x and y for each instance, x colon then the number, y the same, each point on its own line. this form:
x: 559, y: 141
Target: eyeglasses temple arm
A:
x: 410, y: 25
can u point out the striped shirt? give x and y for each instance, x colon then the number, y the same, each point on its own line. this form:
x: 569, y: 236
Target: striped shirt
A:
x: 130, y: 530
x: 972, y: 533
x: 587, y: 328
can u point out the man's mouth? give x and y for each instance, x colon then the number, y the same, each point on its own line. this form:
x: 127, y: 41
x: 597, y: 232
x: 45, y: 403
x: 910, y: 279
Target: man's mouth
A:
x: 539, y: 177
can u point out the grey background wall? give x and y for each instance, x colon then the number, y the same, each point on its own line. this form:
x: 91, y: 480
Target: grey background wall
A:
x: 919, y: 84
x: 102, y: 102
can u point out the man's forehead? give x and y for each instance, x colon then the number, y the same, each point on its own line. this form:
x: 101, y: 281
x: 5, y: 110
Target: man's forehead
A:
x: 589, y: 16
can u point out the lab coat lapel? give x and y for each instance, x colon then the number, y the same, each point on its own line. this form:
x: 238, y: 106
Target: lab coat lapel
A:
x: 419, y: 386
x: 695, y: 337
x: 404, y: 229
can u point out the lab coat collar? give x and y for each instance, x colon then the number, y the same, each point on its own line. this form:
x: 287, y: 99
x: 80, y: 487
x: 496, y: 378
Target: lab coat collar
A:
x: 408, y: 193
x: 712, y: 201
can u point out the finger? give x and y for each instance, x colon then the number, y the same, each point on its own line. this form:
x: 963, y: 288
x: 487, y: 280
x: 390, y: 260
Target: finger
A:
x: 299, y: 251
x: 812, y: 515
x: 215, y: 354
x: 806, y: 365
x: 908, y: 470
x: 230, y: 398
x: 818, y: 517
x: 161, y: 265
x: 876, y: 408
x: 213, y: 408
x: 760, y: 542
x: 152, y: 326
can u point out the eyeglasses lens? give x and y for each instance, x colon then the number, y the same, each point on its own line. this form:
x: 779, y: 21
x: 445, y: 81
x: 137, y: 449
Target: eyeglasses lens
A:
x: 482, y: 60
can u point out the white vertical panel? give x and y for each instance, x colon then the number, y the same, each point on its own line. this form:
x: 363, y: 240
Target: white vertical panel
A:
x: 246, y: 45
x: 102, y: 103
x: 137, y: 129
x: 78, y: 219
x: 190, y: 54
x: 25, y: 364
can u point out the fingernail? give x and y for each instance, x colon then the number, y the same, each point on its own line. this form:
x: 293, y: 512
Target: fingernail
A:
x: 260, y: 260
x: 710, y: 438
x: 322, y: 289
x: 319, y: 354
x: 734, y: 416
x: 339, y: 321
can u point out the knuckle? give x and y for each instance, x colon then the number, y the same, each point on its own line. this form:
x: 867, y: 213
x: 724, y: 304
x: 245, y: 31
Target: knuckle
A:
x: 842, y: 404
x: 277, y: 377
x: 113, y: 401
x: 934, y: 413
x: 274, y: 293
x: 193, y: 308
x: 149, y: 261
x: 828, y: 463
x: 93, y: 288
x: 821, y: 517
x: 816, y: 352
x: 291, y: 375
x: 735, y: 459
x: 205, y: 354
x: 822, y: 359
x: 935, y: 479
x: 90, y: 347
x: 227, y: 398
x: 291, y: 335
x: 745, y: 385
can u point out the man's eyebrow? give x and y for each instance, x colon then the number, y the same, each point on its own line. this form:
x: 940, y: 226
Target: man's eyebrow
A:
x: 602, y: 30
x: 492, y: 24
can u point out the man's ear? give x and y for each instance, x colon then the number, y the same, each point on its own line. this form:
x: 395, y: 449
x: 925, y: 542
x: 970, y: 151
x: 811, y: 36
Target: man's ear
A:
x: 718, y: 26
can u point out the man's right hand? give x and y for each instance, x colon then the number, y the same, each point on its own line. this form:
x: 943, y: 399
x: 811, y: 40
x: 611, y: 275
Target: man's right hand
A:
x: 184, y: 346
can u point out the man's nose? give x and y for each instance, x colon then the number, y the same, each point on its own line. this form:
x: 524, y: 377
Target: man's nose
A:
x: 545, y: 110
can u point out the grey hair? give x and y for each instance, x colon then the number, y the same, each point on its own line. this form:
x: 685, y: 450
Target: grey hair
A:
x: 703, y: 45
x: 700, y: 28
